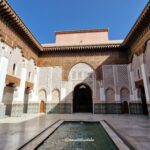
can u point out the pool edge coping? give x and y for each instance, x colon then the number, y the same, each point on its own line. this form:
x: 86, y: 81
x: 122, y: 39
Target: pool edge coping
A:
x: 42, y: 136
x: 121, y: 145
x: 127, y: 142
x: 38, y: 139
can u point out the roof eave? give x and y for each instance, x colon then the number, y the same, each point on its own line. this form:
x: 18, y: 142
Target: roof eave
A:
x: 11, y: 13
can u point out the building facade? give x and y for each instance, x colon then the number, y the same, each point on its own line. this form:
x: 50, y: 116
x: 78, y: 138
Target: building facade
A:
x: 83, y: 71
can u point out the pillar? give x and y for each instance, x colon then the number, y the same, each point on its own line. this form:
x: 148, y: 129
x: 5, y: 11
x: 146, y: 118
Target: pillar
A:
x: 21, y: 89
x: 19, y: 92
x: 3, y: 72
x: 33, y: 101
x: 102, y: 92
x: 116, y: 85
x: 133, y: 96
x: 145, y: 78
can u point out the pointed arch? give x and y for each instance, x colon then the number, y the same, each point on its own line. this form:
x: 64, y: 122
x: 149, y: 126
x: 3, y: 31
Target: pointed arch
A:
x: 110, y: 94
x: 124, y: 94
x: 81, y: 71
x: 42, y: 95
x: 56, y: 96
x: 82, y: 98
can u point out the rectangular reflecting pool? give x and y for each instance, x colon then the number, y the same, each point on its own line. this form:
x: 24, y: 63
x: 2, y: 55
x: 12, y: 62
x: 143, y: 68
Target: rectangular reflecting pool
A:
x: 79, y: 136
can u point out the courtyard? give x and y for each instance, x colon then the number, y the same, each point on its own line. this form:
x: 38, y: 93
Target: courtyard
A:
x: 134, y: 129
x: 90, y: 81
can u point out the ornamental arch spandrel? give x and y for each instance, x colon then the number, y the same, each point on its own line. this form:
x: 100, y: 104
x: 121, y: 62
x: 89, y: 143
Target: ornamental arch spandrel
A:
x: 94, y: 59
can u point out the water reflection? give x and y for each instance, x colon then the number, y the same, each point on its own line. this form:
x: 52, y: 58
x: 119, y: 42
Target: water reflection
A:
x: 79, y: 135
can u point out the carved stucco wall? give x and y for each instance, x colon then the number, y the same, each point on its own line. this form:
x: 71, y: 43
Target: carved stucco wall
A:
x: 124, y: 94
x: 31, y: 68
x: 43, y: 79
x: 5, y: 50
x: 13, y: 40
x: 56, y: 96
x: 56, y: 78
x: 110, y: 95
x: 15, y: 58
x: 95, y: 59
x: 136, y: 68
x: 108, y: 76
x: 122, y: 77
x: 42, y: 95
x: 115, y: 77
x: 83, y: 73
x: 50, y: 79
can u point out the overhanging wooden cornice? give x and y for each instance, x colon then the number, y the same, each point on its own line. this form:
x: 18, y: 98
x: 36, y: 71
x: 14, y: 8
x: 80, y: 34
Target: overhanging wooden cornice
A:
x: 83, y: 48
x: 141, y: 26
x: 13, y: 20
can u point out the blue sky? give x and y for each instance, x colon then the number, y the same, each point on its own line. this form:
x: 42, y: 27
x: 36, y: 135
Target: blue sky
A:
x: 44, y: 17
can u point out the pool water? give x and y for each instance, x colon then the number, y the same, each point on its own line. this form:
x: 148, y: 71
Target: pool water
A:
x: 79, y: 136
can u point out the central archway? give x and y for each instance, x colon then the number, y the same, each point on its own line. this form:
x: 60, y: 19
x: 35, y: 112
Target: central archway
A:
x: 82, y: 99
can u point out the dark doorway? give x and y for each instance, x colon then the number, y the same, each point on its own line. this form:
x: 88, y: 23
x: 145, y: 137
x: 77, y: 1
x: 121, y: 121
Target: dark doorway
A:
x: 125, y: 108
x: 82, y: 99
x: 143, y: 97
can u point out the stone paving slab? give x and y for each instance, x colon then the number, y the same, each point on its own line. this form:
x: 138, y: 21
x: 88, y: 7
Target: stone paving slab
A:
x: 13, y: 136
x: 35, y: 142
x: 119, y: 143
x: 23, y: 118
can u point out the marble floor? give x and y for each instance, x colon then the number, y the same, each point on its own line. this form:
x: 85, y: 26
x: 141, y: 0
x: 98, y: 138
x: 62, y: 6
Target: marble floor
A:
x: 23, y: 118
x: 135, y: 129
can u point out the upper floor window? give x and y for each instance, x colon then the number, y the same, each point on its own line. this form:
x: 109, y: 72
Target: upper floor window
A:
x: 138, y: 72
x: 14, y: 69
x: 29, y: 76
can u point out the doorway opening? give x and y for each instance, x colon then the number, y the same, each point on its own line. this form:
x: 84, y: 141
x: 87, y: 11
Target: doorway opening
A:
x: 82, y: 99
x: 143, y: 98
x: 125, y: 107
x: 42, y: 107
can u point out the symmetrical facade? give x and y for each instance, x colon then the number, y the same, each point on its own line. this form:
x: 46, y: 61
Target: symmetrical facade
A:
x: 83, y: 71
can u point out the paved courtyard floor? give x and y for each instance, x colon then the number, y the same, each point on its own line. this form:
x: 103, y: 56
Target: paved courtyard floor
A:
x: 135, y: 129
x: 23, y: 118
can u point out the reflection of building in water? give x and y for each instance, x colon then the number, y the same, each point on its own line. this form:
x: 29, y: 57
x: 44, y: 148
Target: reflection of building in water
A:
x: 83, y: 71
